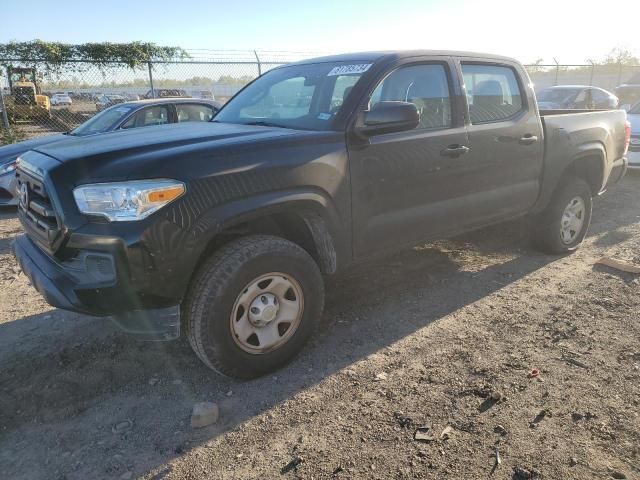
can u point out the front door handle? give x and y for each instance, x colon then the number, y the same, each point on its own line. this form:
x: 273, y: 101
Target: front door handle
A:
x: 528, y: 139
x: 454, y: 150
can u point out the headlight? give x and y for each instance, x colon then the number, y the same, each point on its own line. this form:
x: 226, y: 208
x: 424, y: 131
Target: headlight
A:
x: 8, y: 167
x: 125, y: 201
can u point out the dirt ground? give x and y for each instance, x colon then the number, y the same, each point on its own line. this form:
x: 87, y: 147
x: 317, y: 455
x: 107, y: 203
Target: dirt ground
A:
x: 421, y: 339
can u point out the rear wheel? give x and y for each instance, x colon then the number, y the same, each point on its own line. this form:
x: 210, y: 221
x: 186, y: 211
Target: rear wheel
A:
x: 563, y: 225
x: 253, y: 305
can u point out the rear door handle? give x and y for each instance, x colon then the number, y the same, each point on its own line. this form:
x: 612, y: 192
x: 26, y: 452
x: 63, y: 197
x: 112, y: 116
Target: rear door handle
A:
x: 528, y: 139
x: 454, y: 150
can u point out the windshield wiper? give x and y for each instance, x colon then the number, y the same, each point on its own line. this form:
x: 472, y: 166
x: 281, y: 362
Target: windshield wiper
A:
x: 262, y: 123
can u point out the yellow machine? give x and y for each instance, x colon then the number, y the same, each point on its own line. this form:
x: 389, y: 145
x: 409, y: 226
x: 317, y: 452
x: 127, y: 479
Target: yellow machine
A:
x: 25, y: 100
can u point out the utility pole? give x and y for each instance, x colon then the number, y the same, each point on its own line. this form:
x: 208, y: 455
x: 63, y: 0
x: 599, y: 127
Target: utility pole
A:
x: 5, y: 117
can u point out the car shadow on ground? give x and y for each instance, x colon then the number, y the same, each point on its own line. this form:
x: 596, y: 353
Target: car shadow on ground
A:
x: 68, y: 391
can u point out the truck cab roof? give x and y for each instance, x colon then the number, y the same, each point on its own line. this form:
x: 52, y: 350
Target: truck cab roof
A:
x: 389, y: 55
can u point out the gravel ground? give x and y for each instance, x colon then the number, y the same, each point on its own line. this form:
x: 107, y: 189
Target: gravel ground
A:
x: 444, y: 335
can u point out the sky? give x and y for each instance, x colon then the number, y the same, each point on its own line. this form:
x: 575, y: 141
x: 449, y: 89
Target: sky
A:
x: 571, y: 31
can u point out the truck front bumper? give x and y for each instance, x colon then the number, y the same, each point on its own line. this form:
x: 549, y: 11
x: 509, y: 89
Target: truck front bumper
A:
x: 53, y: 283
x: 7, y: 189
x: 93, y: 282
x: 61, y: 287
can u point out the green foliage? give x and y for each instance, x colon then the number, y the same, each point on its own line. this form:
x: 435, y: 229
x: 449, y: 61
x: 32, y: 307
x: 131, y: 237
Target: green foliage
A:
x: 54, y: 55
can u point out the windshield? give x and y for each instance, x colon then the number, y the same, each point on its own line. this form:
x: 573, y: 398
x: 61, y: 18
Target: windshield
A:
x: 635, y: 109
x: 557, y: 95
x: 305, y: 97
x: 103, y: 121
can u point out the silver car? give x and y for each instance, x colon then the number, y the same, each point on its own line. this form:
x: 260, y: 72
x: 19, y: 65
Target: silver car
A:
x: 633, y: 115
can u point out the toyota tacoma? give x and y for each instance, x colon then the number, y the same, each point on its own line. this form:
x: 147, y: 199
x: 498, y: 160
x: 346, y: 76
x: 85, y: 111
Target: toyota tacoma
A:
x: 311, y: 167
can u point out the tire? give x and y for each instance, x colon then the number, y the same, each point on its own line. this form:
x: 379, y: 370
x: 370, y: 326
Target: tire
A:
x: 549, y: 235
x: 219, y: 301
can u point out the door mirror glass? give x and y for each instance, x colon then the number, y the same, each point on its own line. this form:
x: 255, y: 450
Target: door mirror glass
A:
x: 388, y: 117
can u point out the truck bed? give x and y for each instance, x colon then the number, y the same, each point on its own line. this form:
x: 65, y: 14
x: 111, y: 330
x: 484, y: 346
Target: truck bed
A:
x: 597, y: 134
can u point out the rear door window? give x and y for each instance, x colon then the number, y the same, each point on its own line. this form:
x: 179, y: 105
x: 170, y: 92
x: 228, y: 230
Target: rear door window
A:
x: 158, y: 115
x: 190, y: 112
x: 493, y: 92
x: 599, y: 98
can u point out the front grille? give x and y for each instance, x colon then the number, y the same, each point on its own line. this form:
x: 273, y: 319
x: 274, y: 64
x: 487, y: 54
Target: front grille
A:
x: 36, y: 210
x: 634, y: 146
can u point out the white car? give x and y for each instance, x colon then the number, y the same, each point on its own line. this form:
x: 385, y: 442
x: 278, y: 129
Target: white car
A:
x: 60, y: 99
x: 633, y: 115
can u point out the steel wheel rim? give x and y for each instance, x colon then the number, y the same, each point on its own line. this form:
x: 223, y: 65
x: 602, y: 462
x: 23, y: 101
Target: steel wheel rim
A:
x: 572, y: 220
x: 267, y: 313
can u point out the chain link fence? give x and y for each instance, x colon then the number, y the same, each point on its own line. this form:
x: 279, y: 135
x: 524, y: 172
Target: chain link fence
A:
x: 604, y: 76
x: 37, y: 100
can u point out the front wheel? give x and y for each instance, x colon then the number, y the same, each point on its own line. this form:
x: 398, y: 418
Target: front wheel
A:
x: 253, y: 305
x: 563, y: 225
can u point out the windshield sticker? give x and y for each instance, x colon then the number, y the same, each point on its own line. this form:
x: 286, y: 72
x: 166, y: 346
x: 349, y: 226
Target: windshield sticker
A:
x: 349, y: 69
x: 324, y: 116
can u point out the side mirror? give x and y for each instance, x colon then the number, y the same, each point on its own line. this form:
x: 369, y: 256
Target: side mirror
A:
x: 389, y: 117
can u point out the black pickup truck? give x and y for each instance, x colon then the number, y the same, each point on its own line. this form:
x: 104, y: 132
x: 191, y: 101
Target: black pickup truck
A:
x: 311, y: 167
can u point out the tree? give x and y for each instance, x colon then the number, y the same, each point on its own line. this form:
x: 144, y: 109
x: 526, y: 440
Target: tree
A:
x: 620, y: 56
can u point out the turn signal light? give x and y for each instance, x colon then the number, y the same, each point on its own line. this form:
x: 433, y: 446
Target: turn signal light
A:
x: 166, y: 194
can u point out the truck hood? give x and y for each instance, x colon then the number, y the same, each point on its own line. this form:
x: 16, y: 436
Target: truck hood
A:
x: 8, y: 153
x: 141, y: 141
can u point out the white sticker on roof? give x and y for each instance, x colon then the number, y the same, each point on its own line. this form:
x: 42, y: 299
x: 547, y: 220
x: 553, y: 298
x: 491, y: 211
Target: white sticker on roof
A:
x: 348, y: 69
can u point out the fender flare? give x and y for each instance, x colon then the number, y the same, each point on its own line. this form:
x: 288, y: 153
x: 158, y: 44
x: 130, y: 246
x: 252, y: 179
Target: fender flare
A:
x: 316, y: 209
x: 553, y: 176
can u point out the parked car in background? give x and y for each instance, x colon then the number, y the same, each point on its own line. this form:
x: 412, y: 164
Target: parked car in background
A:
x: 204, y: 94
x: 166, y: 92
x: 207, y: 94
x: 123, y: 116
x: 633, y: 115
x: 629, y: 94
x: 236, y: 220
x: 60, y: 99
x: 106, y: 101
x: 579, y: 97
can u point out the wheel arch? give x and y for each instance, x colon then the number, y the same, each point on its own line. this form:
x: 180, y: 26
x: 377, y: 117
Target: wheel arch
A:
x: 589, y: 164
x: 308, y: 219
